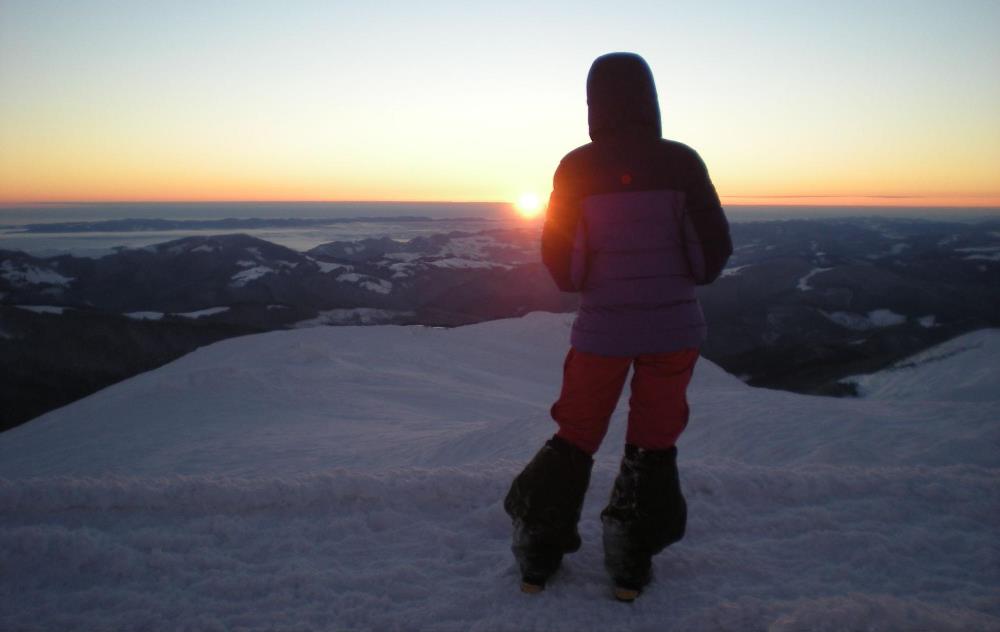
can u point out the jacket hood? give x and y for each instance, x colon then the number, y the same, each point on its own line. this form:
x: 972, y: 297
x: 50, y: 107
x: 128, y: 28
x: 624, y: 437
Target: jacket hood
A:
x: 621, y: 94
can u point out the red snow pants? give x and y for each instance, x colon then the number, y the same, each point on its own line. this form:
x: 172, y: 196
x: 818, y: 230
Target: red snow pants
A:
x: 592, y: 384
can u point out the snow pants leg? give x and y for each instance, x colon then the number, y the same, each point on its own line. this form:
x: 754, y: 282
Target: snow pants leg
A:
x: 592, y: 385
x: 545, y: 499
x: 647, y: 511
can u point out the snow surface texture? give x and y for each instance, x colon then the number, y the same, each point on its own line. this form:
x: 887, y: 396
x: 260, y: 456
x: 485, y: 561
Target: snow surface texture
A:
x: 352, y: 478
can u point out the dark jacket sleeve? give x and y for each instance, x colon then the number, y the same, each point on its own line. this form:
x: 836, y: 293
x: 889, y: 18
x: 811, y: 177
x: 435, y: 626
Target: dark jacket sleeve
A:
x: 559, y: 232
x: 707, y: 241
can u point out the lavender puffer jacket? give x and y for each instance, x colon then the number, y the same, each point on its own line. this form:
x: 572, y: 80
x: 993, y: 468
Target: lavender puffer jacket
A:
x: 633, y: 224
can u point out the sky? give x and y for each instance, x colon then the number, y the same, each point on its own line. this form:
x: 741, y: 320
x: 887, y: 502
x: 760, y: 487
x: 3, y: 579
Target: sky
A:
x: 867, y: 102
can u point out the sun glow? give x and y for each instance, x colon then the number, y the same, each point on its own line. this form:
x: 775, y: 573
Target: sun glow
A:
x: 528, y: 205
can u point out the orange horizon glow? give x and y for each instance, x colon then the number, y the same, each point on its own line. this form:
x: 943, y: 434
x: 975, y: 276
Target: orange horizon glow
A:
x: 942, y: 201
x: 819, y: 201
x: 164, y: 102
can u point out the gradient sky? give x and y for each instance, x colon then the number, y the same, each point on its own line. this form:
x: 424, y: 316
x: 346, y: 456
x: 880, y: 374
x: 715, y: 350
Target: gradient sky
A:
x: 843, y: 102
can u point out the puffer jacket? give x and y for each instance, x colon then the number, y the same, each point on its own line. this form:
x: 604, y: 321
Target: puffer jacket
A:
x: 633, y: 223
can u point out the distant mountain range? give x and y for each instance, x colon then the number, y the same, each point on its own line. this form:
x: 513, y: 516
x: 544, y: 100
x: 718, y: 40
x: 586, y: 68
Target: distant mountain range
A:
x: 801, y: 305
x: 803, y: 302
x: 127, y: 225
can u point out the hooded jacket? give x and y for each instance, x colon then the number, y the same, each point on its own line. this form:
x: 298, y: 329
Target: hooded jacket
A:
x: 633, y: 222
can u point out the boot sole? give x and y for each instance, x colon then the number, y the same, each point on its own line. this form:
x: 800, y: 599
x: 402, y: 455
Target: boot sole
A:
x: 626, y: 595
x: 531, y: 589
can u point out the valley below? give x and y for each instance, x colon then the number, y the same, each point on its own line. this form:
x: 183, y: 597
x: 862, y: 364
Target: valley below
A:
x: 802, y: 304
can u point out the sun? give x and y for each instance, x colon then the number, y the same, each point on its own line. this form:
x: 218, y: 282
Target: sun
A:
x: 528, y: 205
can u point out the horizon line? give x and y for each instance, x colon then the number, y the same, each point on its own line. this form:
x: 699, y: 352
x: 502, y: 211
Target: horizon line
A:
x: 888, y: 201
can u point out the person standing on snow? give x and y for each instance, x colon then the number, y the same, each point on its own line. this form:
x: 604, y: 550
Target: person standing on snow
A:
x: 633, y: 225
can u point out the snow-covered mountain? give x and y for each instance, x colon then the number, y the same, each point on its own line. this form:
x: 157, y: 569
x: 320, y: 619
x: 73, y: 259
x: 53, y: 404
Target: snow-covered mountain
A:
x: 71, y: 325
x: 802, y: 305
x: 352, y: 478
x: 195, y: 273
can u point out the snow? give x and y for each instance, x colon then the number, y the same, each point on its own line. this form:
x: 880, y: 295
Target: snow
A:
x: 402, y: 264
x: 241, y: 279
x: 874, y: 319
x: 326, y: 266
x: 734, y: 271
x: 404, y: 256
x: 456, y: 262
x: 352, y: 478
x: 145, y: 315
x: 25, y: 274
x: 150, y: 315
x: 401, y: 270
x: 962, y: 369
x: 43, y: 309
x: 469, y: 252
x: 804, y: 281
x: 211, y: 311
x: 473, y: 247
x: 354, y: 316
x: 204, y: 248
x: 927, y: 321
x: 370, y: 283
x: 983, y: 253
x: 885, y: 318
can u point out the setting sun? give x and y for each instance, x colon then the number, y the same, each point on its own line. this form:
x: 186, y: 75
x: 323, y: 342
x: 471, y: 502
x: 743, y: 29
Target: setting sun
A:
x: 528, y: 205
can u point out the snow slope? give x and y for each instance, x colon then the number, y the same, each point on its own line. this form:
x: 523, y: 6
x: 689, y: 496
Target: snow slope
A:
x: 352, y: 478
x: 962, y: 369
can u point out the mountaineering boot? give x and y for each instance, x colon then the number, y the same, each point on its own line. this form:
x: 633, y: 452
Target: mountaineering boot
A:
x: 544, y: 503
x: 645, y: 514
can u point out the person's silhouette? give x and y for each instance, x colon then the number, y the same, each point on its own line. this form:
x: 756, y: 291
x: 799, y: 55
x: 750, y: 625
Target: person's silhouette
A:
x: 633, y: 225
